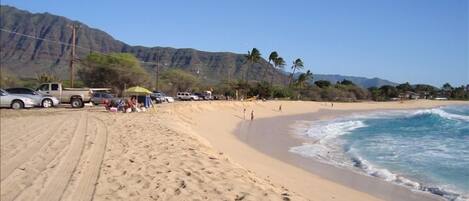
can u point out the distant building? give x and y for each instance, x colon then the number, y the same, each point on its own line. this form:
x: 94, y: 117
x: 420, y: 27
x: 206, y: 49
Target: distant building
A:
x: 409, y: 95
x: 467, y: 88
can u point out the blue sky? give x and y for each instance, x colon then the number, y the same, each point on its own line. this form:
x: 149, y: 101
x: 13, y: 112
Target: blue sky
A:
x: 421, y: 41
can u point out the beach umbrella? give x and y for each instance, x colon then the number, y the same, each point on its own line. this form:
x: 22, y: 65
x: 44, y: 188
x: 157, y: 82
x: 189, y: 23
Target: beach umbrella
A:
x: 137, y: 90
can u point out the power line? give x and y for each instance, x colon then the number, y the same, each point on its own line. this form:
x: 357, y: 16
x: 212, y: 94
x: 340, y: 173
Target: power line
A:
x: 66, y: 44
x: 43, y: 39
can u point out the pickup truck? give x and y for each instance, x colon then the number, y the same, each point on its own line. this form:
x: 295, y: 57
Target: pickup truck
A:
x: 76, y: 97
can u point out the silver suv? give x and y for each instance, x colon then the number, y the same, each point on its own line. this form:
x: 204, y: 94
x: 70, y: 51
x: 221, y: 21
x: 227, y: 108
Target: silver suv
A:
x: 186, y: 96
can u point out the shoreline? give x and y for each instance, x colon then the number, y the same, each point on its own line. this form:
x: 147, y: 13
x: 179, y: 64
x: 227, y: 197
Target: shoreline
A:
x: 282, y: 137
x: 217, y: 124
x: 180, y: 151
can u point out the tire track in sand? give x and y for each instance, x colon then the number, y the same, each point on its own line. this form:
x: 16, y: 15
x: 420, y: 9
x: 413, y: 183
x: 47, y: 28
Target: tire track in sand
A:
x: 14, y: 146
x: 54, y: 188
x: 88, y: 179
x: 31, y: 174
x: 35, y: 144
x: 17, y: 128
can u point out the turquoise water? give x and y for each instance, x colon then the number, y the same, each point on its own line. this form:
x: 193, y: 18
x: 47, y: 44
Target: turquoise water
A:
x: 425, y: 149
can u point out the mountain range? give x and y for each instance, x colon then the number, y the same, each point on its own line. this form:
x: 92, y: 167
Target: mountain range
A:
x: 360, y: 81
x: 33, y: 43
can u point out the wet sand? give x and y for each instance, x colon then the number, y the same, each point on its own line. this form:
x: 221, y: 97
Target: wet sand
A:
x: 274, y: 136
x: 180, y: 151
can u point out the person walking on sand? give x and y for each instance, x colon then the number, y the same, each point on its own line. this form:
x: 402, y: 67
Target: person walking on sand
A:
x: 280, y: 108
x: 244, y: 114
x: 252, y: 115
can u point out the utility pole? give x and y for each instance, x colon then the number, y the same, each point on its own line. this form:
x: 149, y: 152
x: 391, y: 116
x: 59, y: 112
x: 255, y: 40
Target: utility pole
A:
x: 157, y: 74
x: 72, y: 54
x: 157, y: 78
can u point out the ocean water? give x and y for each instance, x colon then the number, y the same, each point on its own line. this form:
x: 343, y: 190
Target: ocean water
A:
x: 425, y: 149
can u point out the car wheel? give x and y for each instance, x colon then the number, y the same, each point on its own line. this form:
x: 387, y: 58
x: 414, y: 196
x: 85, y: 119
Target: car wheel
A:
x: 17, y: 104
x: 76, y: 103
x: 46, y: 103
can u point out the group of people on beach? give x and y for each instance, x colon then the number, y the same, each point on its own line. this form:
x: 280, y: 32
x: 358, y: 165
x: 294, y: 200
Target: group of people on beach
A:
x: 124, y: 105
x: 252, y: 112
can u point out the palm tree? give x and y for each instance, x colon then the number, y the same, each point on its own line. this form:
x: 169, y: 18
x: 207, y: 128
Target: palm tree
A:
x: 252, y: 57
x: 272, y: 57
x: 303, y: 79
x: 279, y: 63
x: 297, y: 65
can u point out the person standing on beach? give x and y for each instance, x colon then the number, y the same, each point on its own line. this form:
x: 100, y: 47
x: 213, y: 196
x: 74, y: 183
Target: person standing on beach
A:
x: 244, y: 114
x: 252, y: 115
x: 280, y: 108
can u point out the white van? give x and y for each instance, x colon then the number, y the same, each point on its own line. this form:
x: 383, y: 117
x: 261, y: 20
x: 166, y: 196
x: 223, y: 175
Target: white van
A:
x: 186, y: 96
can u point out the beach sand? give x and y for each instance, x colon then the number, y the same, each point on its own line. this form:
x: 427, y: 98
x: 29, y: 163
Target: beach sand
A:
x: 181, y: 151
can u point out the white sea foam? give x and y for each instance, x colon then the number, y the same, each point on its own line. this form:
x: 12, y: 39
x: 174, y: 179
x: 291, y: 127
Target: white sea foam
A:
x: 329, y: 130
x: 410, y: 113
x: 326, y: 144
x: 443, y: 114
x: 370, y: 169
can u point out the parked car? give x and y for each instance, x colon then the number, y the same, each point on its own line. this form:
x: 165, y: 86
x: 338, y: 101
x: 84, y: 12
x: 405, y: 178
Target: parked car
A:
x: 157, y: 97
x: 186, y: 96
x: 200, y: 96
x: 76, y: 97
x: 220, y: 97
x: 99, y: 97
x: 40, y: 100
x: 14, y: 101
x: 160, y: 97
x: 206, y: 95
x: 168, y: 99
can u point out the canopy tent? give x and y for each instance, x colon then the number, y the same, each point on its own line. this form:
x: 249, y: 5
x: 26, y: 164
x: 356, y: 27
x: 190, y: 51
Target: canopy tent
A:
x: 137, y: 91
x: 143, y: 95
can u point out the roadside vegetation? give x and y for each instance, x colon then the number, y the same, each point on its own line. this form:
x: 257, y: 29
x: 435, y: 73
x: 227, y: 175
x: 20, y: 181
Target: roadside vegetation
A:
x: 121, y: 70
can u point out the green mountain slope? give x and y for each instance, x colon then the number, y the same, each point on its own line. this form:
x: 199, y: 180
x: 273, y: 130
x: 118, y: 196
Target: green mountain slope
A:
x: 25, y: 56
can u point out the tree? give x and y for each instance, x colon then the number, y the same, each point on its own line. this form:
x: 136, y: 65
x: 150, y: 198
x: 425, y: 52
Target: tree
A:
x: 447, y: 87
x: 404, y: 87
x: 7, y: 80
x: 389, y: 91
x: 261, y: 89
x: 280, y: 91
x: 272, y: 57
x: 115, y: 70
x: 425, y: 90
x: 322, y: 83
x: 279, y: 63
x: 303, y: 79
x: 376, y: 94
x: 252, y: 57
x: 347, y: 82
x: 242, y: 87
x: 297, y: 65
x: 459, y: 93
x: 226, y: 88
x: 46, y: 77
x: 179, y: 80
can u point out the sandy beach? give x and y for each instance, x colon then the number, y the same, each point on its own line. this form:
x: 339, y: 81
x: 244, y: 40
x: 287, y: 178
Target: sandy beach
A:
x: 180, y: 151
